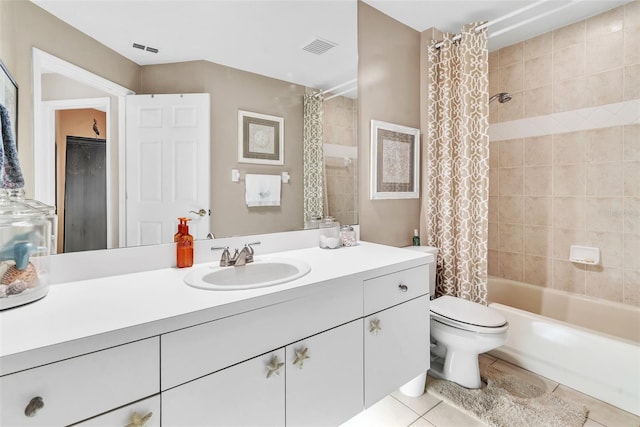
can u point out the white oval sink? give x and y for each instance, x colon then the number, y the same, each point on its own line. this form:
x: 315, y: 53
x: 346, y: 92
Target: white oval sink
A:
x: 261, y: 273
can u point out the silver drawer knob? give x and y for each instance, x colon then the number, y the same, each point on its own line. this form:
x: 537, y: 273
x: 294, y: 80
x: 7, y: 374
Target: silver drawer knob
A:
x: 403, y: 287
x: 274, y: 366
x: 34, y: 406
x: 139, y: 420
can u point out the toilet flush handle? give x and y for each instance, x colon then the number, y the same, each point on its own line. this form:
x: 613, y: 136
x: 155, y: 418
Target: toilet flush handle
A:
x: 403, y: 287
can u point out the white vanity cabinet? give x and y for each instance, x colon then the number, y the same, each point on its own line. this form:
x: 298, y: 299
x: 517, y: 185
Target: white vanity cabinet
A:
x: 396, y: 337
x: 317, y: 353
x: 75, y: 389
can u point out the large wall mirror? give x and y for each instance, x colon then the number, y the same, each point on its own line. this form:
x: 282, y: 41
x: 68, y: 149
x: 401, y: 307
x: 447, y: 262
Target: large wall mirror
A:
x: 257, y: 56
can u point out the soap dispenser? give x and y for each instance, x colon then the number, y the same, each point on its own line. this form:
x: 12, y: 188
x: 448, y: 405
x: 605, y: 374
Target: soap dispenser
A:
x: 184, y: 244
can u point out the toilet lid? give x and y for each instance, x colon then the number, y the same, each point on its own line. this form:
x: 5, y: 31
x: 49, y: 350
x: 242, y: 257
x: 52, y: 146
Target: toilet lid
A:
x: 463, y: 311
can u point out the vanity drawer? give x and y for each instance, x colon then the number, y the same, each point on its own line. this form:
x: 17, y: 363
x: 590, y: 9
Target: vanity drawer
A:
x: 395, y: 288
x: 193, y: 352
x: 81, y: 387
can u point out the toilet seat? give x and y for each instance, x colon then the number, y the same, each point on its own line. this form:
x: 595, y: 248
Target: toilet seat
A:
x: 467, y: 315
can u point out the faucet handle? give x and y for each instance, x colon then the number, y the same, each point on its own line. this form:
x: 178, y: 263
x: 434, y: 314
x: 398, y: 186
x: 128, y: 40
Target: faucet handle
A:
x: 250, y: 250
x: 225, y: 259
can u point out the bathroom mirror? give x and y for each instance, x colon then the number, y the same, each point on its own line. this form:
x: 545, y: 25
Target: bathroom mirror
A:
x: 229, y: 215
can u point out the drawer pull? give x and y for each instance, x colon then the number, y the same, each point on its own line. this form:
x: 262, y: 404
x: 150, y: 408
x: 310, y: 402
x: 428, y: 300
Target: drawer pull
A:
x: 274, y: 366
x: 138, y: 420
x: 34, y: 406
x: 301, y: 356
x: 374, y: 326
x: 403, y: 287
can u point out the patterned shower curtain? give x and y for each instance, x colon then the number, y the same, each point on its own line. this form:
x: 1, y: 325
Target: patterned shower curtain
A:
x: 455, y: 191
x: 313, y: 157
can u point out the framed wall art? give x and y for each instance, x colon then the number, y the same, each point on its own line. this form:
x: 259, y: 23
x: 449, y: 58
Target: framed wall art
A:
x: 9, y: 98
x: 260, y: 138
x: 395, y: 161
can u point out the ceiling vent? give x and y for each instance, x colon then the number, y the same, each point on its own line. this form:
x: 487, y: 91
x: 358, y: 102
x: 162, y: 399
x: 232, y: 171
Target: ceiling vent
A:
x: 319, y: 46
x: 143, y: 47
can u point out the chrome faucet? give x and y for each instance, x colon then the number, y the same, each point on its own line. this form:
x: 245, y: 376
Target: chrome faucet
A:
x: 239, y: 258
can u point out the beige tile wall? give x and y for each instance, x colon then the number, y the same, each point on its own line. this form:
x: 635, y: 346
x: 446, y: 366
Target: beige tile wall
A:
x: 339, y: 127
x: 552, y: 191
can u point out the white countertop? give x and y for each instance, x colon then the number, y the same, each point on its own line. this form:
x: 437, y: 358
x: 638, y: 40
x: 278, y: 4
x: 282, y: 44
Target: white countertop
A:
x: 90, y: 315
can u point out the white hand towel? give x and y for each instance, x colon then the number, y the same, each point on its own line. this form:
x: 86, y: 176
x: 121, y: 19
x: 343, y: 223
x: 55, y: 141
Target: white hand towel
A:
x: 262, y: 190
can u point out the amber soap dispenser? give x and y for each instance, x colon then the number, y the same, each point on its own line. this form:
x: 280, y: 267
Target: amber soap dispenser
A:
x: 184, y: 244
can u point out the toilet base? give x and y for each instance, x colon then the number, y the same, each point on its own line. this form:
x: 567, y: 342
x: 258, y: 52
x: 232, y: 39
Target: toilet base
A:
x: 467, y: 374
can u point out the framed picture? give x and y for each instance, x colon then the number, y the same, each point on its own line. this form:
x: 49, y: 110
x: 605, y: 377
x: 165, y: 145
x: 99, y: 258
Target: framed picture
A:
x: 9, y: 98
x: 260, y: 138
x: 395, y: 161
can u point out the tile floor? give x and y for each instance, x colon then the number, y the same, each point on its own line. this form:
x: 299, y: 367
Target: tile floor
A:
x: 398, y: 410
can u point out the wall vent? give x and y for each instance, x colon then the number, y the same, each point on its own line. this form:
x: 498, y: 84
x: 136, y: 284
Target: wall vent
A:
x: 319, y: 46
x: 139, y: 46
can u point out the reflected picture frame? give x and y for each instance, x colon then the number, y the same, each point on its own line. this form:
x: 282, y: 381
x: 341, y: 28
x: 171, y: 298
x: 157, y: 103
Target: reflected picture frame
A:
x: 260, y: 138
x: 9, y: 98
x: 395, y: 161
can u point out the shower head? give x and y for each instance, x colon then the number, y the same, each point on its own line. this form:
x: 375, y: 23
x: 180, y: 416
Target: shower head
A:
x: 502, y: 97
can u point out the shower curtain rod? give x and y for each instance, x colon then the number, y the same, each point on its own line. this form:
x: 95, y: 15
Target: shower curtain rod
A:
x: 335, y: 87
x: 342, y: 92
x: 512, y: 14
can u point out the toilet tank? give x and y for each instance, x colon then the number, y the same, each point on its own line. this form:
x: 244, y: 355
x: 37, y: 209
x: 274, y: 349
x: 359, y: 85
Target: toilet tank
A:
x: 432, y: 268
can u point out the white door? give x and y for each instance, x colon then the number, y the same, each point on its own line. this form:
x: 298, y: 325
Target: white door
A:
x: 167, y: 166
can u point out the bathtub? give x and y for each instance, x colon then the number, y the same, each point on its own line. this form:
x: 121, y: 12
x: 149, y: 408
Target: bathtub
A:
x: 588, y: 344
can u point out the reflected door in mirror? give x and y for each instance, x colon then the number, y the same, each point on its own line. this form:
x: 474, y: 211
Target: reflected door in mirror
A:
x: 167, y: 166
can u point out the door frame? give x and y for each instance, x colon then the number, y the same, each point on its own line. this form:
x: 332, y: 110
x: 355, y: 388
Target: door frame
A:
x: 49, y: 109
x: 43, y: 150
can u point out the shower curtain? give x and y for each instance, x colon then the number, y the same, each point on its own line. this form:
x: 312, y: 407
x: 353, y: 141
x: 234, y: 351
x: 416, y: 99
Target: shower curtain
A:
x: 455, y: 190
x: 313, y: 157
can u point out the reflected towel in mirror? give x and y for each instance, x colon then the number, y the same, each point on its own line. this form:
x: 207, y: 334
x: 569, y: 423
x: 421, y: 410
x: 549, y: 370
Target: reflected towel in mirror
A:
x: 262, y: 190
x: 9, y: 163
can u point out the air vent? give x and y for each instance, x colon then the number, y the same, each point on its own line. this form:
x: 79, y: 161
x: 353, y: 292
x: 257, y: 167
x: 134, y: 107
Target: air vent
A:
x: 143, y: 47
x: 319, y: 46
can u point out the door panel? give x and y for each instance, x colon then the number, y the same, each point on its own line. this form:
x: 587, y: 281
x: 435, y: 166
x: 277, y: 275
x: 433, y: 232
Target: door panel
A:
x: 167, y: 166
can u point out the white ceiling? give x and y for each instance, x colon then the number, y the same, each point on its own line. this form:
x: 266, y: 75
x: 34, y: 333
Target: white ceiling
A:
x: 267, y: 36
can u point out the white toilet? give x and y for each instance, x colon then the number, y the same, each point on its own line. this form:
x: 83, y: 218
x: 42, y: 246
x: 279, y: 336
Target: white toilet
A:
x: 460, y: 331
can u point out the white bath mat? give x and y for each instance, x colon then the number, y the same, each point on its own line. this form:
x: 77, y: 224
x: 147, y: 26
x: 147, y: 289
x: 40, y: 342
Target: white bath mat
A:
x: 506, y: 401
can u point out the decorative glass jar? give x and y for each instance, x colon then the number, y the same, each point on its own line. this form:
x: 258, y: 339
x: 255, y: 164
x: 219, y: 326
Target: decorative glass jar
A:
x: 347, y: 236
x: 25, y: 247
x: 329, y: 233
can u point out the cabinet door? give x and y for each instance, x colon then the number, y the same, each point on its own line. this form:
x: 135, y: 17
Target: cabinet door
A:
x: 144, y: 413
x: 250, y: 393
x: 396, y: 347
x: 324, y: 377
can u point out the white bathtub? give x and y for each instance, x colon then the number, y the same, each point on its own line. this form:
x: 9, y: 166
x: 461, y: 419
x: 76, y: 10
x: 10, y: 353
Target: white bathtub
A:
x: 588, y: 344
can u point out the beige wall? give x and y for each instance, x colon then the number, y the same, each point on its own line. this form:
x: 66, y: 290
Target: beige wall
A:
x: 388, y: 90
x: 551, y: 191
x: 232, y: 90
x: 72, y: 123
x: 24, y: 25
